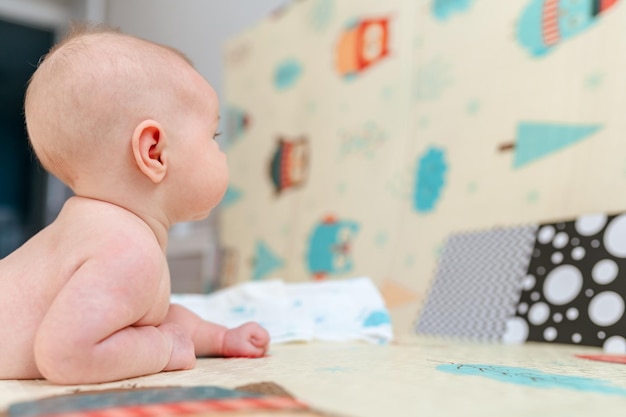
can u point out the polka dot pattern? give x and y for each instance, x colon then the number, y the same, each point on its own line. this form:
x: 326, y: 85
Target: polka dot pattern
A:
x: 574, y: 290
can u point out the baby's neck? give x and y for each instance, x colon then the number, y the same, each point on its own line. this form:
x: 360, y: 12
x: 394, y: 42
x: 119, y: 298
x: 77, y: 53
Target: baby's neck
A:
x: 158, y: 226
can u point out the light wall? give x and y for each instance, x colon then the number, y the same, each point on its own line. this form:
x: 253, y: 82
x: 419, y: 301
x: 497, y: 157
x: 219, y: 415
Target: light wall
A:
x: 197, y: 27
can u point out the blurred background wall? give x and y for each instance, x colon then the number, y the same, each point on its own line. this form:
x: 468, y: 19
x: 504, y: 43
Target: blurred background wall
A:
x: 361, y: 134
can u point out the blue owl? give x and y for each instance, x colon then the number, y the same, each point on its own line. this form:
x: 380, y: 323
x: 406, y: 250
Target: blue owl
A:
x: 545, y: 23
x: 330, y: 247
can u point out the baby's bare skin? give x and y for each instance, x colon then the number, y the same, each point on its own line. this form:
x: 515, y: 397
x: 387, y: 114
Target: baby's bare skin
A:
x: 87, y: 300
x: 129, y: 126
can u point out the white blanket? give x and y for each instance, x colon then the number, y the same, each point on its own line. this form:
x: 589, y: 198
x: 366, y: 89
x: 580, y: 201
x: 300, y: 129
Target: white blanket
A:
x: 348, y: 309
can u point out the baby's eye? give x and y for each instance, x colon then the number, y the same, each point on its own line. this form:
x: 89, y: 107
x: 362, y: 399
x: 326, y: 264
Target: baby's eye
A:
x: 216, y: 135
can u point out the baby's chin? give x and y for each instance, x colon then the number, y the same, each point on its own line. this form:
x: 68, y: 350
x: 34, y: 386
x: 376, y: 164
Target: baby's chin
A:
x: 210, y: 203
x: 199, y: 216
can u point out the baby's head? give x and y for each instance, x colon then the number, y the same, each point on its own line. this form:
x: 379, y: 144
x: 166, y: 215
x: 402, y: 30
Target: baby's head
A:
x: 116, y: 118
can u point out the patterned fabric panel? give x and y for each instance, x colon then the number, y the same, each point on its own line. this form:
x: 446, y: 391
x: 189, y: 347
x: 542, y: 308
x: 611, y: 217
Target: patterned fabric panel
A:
x: 478, y: 283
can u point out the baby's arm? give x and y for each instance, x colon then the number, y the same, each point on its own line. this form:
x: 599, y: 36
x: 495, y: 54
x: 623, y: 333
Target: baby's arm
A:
x: 88, y: 333
x: 210, y: 339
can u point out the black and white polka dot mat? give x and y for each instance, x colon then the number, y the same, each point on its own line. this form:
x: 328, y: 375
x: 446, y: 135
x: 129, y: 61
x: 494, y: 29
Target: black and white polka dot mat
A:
x: 575, y: 287
x: 557, y: 283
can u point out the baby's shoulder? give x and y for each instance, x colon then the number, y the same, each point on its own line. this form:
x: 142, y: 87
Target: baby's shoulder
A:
x: 123, y: 245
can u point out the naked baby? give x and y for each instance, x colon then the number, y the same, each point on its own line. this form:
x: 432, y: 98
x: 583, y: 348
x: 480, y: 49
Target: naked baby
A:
x: 129, y: 126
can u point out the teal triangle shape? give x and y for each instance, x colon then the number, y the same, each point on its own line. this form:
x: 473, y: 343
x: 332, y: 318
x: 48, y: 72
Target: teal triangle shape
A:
x: 537, y: 140
x: 265, y: 261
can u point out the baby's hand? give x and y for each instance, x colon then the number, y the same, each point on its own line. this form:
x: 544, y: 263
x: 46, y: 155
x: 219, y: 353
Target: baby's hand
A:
x: 248, y: 340
x: 183, y: 353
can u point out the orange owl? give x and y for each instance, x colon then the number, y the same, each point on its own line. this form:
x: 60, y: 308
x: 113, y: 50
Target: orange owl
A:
x: 362, y: 44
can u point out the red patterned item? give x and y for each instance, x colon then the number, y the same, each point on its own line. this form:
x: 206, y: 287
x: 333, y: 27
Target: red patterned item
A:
x: 603, y: 357
x: 152, y: 402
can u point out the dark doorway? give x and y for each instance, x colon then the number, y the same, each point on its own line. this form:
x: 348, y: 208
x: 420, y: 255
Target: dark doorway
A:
x: 22, y: 180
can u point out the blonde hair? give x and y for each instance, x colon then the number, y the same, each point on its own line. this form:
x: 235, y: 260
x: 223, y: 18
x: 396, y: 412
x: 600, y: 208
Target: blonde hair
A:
x: 91, y: 90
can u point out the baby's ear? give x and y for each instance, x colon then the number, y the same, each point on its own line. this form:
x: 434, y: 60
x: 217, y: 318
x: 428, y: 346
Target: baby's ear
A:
x: 150, y: 150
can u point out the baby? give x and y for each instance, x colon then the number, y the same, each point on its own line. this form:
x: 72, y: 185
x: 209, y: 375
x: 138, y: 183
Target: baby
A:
x: 129, y: 126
